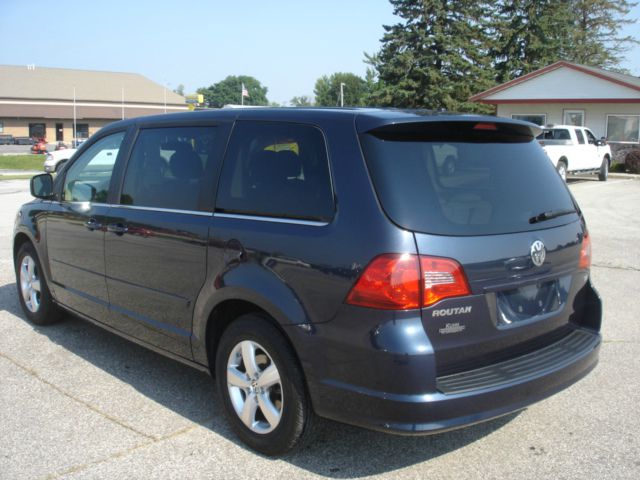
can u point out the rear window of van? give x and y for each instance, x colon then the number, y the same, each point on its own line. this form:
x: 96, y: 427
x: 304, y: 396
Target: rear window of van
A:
x: 458, y: 179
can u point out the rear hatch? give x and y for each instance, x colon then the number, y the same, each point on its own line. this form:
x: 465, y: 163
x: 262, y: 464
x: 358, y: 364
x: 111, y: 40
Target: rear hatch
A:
x: 484, y: 194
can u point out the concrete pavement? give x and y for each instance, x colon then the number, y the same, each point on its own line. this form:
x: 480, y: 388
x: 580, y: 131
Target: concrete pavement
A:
x: 77, y: 402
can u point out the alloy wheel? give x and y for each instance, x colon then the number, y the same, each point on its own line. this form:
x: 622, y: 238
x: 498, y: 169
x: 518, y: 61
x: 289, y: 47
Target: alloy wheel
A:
x: 255, y: 387
x: 30, y: 283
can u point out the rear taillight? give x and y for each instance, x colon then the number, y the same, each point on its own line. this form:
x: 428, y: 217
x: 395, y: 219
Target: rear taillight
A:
x: 443, y: 278
x: 585, y: 252
x: 404, y: 282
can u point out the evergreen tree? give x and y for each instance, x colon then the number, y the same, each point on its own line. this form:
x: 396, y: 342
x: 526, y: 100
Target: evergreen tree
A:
x: 530, y: 34
x: 437, y: 57
x: 596, y: 40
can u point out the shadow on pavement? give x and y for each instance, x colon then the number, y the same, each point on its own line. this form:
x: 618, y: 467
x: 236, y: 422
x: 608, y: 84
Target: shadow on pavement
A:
x: 334, y: 450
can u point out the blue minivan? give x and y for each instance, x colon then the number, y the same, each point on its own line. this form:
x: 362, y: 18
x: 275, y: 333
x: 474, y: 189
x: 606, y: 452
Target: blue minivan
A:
x: 403, y: 271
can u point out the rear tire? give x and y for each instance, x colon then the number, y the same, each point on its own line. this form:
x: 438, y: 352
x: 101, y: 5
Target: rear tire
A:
x: 33, y: 291
x: 261, y: 386
x: 562, y: 170
x: 604, y: 170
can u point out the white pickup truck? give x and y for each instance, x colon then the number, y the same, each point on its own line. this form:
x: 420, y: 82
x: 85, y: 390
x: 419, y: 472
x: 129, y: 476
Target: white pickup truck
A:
x: 54, y: 160
x: 575, y: 150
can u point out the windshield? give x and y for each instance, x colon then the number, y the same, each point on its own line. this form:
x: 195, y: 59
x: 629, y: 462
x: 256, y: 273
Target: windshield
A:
x: 457, y: 187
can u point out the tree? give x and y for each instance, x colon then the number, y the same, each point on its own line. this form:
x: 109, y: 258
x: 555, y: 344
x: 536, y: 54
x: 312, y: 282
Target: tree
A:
x: 437, y: 57
x: 327, y: 90
x: 179, y: 89
x: 596, y: 40
x: 528, y: 35
x: 302, y: 101
x: 229, y: 90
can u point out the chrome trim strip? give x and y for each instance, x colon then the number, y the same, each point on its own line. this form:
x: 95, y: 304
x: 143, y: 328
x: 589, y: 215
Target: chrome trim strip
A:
x: 156, y: 209
x: 292, y: 221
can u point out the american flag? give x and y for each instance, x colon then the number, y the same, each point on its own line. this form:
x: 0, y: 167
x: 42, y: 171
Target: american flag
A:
x: 245, y: 92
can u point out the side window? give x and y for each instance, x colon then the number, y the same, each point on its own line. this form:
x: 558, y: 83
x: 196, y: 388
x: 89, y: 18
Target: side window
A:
x: 590, y: 138
x: 580, y: 137
x: 276, y: 170
x: 167, y: 166
x: 88, y: 179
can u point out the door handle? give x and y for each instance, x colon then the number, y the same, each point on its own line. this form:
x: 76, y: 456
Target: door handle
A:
x: 92, y: 224
x: 117, y: 228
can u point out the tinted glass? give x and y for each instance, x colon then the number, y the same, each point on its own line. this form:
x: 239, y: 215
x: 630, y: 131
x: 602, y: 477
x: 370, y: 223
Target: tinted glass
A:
x: 88, y: 179
x: 474, y: 187
x: 561, y: 134
x: 590, y: 138
x: 167, y: 166
x: 580, y: 137
x: 278, y: 170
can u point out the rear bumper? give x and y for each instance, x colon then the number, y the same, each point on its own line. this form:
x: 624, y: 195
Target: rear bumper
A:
x: 366, y: 369
x: 468, y: 397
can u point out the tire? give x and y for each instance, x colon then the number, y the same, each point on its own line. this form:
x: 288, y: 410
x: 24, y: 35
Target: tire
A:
x: 562, y: 170
x: 604, y: 170
x: 274, y: 399
x: 33, y: 291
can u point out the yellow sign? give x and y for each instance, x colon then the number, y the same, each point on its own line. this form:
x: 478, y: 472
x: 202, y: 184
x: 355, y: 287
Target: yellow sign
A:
x: 196, y: 98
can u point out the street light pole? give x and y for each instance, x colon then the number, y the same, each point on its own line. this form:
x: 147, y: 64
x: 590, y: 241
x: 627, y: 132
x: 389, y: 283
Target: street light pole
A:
x: 74, y: 117
x: 342, y: 94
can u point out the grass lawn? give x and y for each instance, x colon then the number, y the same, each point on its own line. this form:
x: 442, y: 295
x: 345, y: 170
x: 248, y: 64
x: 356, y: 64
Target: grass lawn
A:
x: 15, y: 177
x: 21, y: 162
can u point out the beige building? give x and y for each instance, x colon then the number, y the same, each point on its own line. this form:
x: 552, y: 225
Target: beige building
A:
x: 568, y: 93
x: 43, y: 102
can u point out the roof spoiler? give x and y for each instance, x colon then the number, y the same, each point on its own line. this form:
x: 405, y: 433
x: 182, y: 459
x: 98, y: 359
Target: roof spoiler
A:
x: 487, y: 130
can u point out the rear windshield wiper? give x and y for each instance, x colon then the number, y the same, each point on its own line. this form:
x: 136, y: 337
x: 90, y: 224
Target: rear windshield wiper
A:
x: 541, y: 217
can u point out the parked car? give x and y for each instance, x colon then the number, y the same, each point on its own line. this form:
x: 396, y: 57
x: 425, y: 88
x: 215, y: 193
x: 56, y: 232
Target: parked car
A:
x: 6, y: 139
x: 24, y: 141
x: 55, y: 160
x: 321, y: 262
x: 39, y: 147
x: 574, y: 149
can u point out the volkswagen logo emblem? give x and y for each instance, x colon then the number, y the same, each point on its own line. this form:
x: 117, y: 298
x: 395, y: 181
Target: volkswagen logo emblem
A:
x: 538, y: 253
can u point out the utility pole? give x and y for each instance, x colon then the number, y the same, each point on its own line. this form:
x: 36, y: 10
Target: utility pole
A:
x: 342, y: 94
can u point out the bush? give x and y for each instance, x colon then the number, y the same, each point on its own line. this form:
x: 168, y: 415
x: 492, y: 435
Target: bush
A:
x: 618, y: 168
x: 632, y: 161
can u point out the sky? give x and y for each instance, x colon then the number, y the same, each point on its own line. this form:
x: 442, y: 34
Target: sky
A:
x: 287, y: 45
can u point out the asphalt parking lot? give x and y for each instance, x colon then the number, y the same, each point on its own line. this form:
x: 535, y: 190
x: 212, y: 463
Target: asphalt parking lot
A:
x: 78, y: 402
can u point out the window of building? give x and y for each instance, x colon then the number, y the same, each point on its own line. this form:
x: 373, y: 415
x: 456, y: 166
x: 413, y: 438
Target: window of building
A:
x: 276, y: 170
x: 88, y: 178
x: 37, y: 130
x: 623, y: 128
x: 537, y: 118
x: 167, y: 166
x: 1, y: 126
x: 580, y: 136
x: 82, y: 130
x: 574, y: 117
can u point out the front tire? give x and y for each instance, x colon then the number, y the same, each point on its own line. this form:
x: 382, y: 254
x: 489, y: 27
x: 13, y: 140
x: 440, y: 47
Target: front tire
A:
x: 604, y: 170
x: 261, y: 386
x: 33, y: 291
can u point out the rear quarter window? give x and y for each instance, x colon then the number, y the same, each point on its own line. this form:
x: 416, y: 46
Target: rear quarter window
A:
x: 276, y: 169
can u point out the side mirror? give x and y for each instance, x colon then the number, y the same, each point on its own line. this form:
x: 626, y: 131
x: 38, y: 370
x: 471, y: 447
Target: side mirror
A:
x: 42, y: 186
